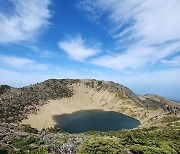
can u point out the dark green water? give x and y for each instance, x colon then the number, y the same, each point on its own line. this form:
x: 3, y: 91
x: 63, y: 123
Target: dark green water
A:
x: 98, y: 120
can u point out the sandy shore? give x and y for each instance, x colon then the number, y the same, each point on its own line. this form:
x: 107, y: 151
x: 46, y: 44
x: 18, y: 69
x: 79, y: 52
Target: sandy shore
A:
x: 87, y: 99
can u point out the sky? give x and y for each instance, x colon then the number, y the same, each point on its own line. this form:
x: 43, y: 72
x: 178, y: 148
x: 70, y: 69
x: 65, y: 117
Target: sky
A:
x: 132, y: 42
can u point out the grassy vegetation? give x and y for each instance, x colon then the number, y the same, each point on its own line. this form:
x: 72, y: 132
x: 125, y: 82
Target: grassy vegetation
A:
x: 40, y: 150
x: 24, y: 144
x: 31, y: 96
x: 3, y: 88
x: 28, y: 145
x: 154, y: 140
x: 139, y: 141
x: 62, y: 140
x: 168, y: 119
x: 101, y: 146
x: 3, y: 150
x: 165, y: 140
x: 151, y: 103
x: 54, y: 130
x: 120, y: 95
x: 29, y: 129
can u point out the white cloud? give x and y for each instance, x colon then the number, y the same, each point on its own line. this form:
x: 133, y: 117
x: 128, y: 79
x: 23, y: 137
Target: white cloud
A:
x: 175, y: 61
x: 25, y: 63
x: 155, y: 21
x: 26, y: 21
x: 41, y: 52
x: 48, y: 54
x: 15, y: 61
x: 77, y: 49
x: 136, y: 57
x: 150, y: 30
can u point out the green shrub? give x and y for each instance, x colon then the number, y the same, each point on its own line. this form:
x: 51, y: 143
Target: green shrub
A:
x: 166, y: 139
x: 23, y: 144
x: 101, y: 146
x: 3, y: 150
x: 29, y: 129
x: 151, y: 103
x: 139, y: 149
x: 40, y: 150
x: 170, y: 119
x: 54, y: 130
x: 3, y: 88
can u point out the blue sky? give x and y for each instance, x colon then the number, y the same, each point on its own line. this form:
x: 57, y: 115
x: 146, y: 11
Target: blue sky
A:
x: 133, y: 42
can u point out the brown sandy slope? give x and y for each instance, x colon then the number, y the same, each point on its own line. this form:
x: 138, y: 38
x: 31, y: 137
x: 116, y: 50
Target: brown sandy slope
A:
x: 86, y: 98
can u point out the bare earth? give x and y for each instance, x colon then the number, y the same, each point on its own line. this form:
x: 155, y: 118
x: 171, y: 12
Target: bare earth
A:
x: 86, y: 99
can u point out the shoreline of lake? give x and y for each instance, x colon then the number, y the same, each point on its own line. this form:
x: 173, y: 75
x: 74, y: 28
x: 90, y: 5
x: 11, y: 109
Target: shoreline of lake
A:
x: 94, y: 120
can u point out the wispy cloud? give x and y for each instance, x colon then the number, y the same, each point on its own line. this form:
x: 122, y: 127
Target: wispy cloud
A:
x: 149, y: 29
x: 40, y: 51
x: 136, y: 57
x: 18, y: 62
x: 153, y: 21
x: 48, y: 54
x: 28, y: 19
x: 77, y: 49
x: 175, y: 61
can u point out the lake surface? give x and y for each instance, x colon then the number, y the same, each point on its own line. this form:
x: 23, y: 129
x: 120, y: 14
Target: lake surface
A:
x: 94, y: 120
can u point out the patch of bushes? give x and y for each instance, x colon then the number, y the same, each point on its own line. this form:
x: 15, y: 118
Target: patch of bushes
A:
x: 31, y: 96
x: 24, y: 144
x: 170, y: 119
x: 3, y: 150
x: 147, y: 140
x: 40, y: 150
x: 3, y: 88
x: 62, y: 140
x: 140, y: 149
x: 101, y: 146
x: 29, y: 129
x: 151, y: 103
x: 54, y: 130
x: 120, y: 95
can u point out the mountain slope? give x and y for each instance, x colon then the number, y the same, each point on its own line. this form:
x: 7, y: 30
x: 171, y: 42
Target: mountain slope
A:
x: 36, y: 104
x: 17, y: 103
x: 155, y: 101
